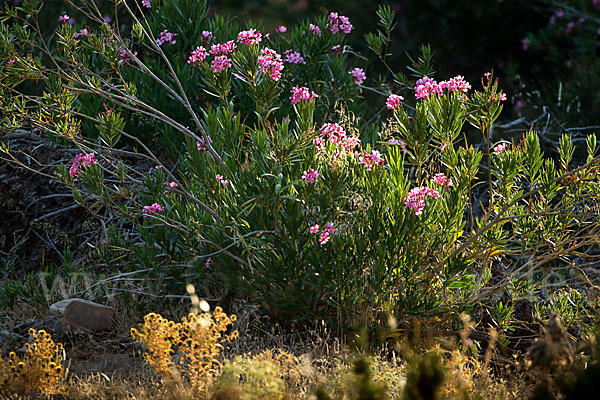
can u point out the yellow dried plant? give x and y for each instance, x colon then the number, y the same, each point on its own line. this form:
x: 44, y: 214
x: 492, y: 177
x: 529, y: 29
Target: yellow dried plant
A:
x: 40, y: 371
x: 189, y: 349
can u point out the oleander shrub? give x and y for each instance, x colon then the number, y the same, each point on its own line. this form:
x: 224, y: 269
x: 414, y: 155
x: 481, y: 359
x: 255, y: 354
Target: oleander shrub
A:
x: 263, y: 173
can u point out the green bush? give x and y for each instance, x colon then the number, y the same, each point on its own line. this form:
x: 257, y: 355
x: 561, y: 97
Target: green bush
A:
x: 313, y: 207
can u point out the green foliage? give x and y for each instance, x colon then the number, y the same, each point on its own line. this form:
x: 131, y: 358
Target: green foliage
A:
x: 396, y: 220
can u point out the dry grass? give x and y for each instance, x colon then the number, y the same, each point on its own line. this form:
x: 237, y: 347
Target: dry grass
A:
x: 279, y: 364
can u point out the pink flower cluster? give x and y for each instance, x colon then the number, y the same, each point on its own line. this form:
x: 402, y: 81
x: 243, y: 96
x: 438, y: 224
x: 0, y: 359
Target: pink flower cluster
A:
x: 197, y: 56
x: 310, y: 175
x: 394, y: 102
x: 315, y: 29
x: 249, y: 37
x: 124, y: 55
x: 302, y: 93
x: 64, y: 18
x: 270, y: 63
x: 80, y: 161
x: 336, y: 23
x: 359, y: 75
x: 171, y: 185
x: 397, y: 142
x: 371, y: 160
x: 201, y: 144
x: 223, y: 48
x: 146, y: 3
x: 500, y: 148
x: 152, y: 209
x: 281, y: 29
x: 293, y: 57
x: 416, y: 198
x: 325, y: 233
x: 222, y: 180
x: 501, y: 96
x: 84, y: 32
x: 426, y: 86
x: 220, y: 63
x: 207, y: 36
x: 442, y: 180
x: 166, y: 37
x: 336, y: 135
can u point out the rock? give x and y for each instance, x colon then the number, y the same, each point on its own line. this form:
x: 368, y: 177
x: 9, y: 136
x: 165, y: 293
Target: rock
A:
x: 53, y: 325
x: 85, y: 315
x: 60, y: 306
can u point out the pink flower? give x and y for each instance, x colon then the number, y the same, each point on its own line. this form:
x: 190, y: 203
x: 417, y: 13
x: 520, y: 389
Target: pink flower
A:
x: 166, y: 37
x: 207, y: 36
x: 64, y: 19
x: 502, y: 97
x: 270, y: 63
x: 397, y: 142
x: 208, y: 262
x: 416, y: 198
x: 11, y: 61
x: 310, y: 175
x: 371, y: 160
x: 201, y: 144
x: 223, y: 49
x: 302, y: 93
x: 146, y: 3
x: 281, y: 29
x: 359, y: 75
x: 337, y: 48
x: 315, y: 29
x: 249, y: 37
x: 325, y: 233
x: 158, y: 166
x: 171, y: 185
x: 197, y: 56
x: 324, y: 238
x: 84, y: 32
x: 124, y: 55
x: 329, y: 228
x: 442, y: 180
x: 293, y: 57
x: 336, y: 23
x: 500, y: 148
x: 222, y: 180
x: 525, y: 44
x: 80, y: 161
x: 152, y: 209
x: 394, y: 102
x: 220, y: 63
